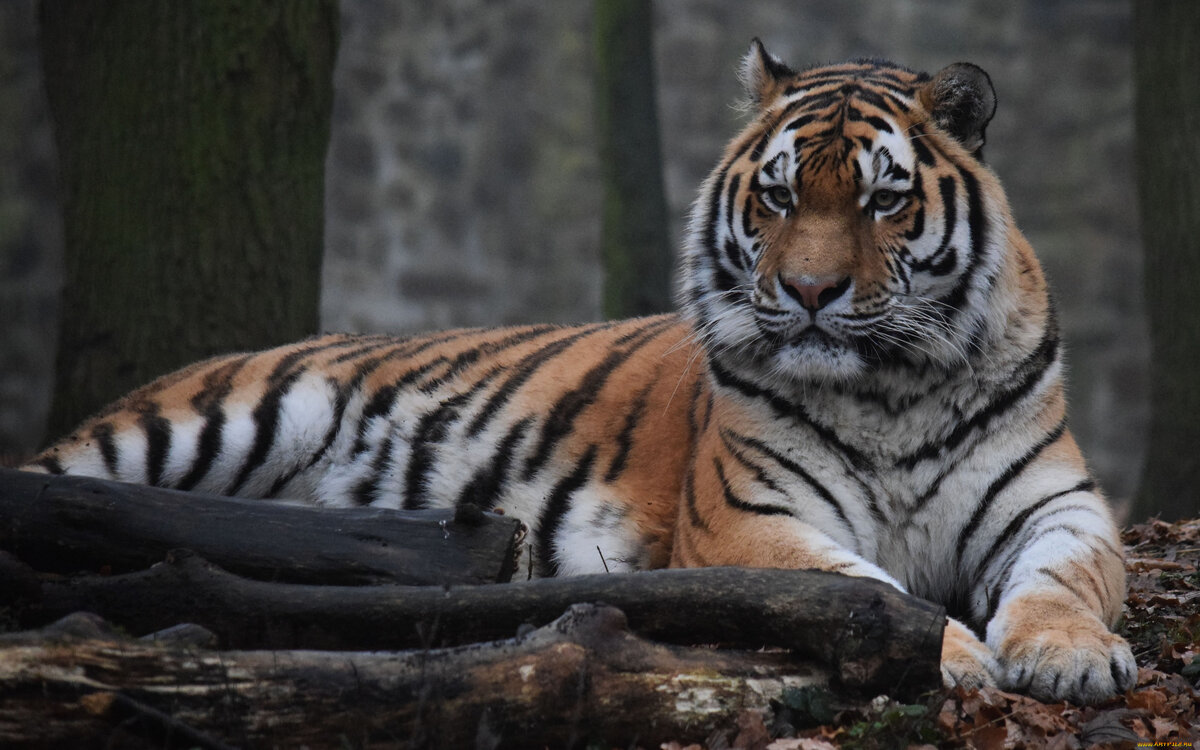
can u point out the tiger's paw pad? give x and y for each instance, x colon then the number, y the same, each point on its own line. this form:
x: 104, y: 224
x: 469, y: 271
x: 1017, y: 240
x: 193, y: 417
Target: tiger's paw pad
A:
x: 966, y: 661
x: 1082, y: 663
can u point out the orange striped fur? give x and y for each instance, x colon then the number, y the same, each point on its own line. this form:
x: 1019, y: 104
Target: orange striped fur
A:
x: 864, y: 376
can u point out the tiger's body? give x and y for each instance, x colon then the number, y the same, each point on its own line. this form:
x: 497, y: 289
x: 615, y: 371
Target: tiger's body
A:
x: 865, y: 377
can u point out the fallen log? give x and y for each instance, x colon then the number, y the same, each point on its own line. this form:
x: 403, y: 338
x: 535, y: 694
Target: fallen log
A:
x: 66, y: 523
x: 582, y: 679
x: 874, y: 638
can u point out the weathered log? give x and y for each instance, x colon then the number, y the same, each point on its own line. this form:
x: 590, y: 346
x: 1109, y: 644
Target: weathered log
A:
x: 64, y: 524
x: 581, y: 679
x: 874, y: 637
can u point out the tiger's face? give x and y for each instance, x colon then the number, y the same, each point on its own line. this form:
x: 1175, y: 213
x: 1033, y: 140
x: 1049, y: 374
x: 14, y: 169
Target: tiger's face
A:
x: 846, y: 228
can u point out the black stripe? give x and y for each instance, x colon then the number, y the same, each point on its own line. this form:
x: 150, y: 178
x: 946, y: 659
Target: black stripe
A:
x: 208, y: 445
x: 1026, y: 375
x: 385, y: 395
x: 799, y: 122
x: 265, y: 418
x: 723, y: 280
x: 695, y: 426
x: 1014, y: 555
x: 879, y: 99
x: 651, y: 326
x: 918, y: 227
x: 787, y: 409
x: 693, y: 556
x: 340, y: 401
x: 731, y: 201
x: 747, y: 211
x: 732, y: 500
x: 761, y: 144
x: 735, y: 255
x: 1063, y: 582
x: 820, y: 101
x: 694, y: 404
x: 209, y: 402
x: 917, y: 141
x: 625, y: 438
x: 522, y: 371
x: 381, y: 403
x: 760, y: 474
x: 796, y: 469
x: 556, y: 507
x: 485, y: 487
x: 689, y: 498
x: 561, y: 418
x: 977, y: 223
x: 943, y: 260
x: 366, y: 345
x: 714, y: 213
x: 874, y: 121
x: 367, y: 489
x: 158, y: 441
x: 50, y: 464
x: 708, y: 404
x: 430, y: 431
x: 103, y: 435
x: 1017, y: 524
x: 342, y: 397
x: 398, y: 346
x: 1002, y: 481
x: 468, y: 357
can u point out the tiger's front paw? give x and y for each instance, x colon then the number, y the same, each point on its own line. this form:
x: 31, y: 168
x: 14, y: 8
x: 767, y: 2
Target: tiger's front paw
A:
x: 966, y: 660
x: 1068, y: 656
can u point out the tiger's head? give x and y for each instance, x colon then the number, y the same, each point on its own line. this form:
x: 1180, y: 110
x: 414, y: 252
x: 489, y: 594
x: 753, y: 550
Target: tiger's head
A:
x: 851, y: 226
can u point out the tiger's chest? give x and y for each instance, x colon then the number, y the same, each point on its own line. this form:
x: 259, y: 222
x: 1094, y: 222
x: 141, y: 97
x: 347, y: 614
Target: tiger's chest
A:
x: 903, y: 471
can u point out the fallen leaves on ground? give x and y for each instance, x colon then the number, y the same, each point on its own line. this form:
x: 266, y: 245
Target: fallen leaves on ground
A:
x: 1161, y: 622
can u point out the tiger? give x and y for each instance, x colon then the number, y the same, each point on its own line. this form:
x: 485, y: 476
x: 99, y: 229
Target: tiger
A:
x: 864, y: 375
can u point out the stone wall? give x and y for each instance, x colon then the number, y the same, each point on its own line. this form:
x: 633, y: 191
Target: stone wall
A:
x: 462, y: 175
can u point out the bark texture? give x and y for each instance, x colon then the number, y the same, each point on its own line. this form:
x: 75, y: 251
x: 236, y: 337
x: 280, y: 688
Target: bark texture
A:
x: 634, y: 244
x: 66, y: 524
x: 1168, y: 149
x: 192, y: 140
x: 581, y: 679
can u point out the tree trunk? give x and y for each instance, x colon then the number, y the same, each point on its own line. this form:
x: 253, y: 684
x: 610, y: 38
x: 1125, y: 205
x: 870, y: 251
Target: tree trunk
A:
x: 634, y: 245
x: 1167, y: 59
x: 191, y: 140
x: 583, y: 679
x: 873, y: 638
x: 64, y: 524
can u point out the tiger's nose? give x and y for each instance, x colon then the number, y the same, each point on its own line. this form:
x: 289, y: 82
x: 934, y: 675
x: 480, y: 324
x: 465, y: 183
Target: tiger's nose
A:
x: 814, y: 294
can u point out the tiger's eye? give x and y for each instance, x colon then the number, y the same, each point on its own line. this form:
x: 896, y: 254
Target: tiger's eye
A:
x: 779, y: 195
x: 884, y: 199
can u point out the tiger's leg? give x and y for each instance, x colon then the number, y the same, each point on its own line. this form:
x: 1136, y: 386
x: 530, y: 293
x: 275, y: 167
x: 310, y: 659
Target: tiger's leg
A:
x: 1052, y: 584
x: 720, y: 522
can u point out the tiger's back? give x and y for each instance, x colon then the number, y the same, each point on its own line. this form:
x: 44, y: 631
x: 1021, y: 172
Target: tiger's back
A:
x: 579, y: 431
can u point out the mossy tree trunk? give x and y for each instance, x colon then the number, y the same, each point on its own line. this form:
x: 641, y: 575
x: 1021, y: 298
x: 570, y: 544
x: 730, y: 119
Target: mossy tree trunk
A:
x: 192, y: 140
x: 1168, y: 153
x: 634, y: 240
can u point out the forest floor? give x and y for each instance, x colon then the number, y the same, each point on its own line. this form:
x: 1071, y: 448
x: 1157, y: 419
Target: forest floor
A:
x: 1161, y: 622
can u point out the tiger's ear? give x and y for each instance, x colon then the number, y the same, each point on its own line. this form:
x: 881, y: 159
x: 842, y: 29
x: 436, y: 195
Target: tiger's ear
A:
x: 961, y: 101
x: 763, y: 75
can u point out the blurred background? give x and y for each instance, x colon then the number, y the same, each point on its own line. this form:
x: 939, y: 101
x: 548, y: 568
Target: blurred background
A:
x: 462, y: 179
